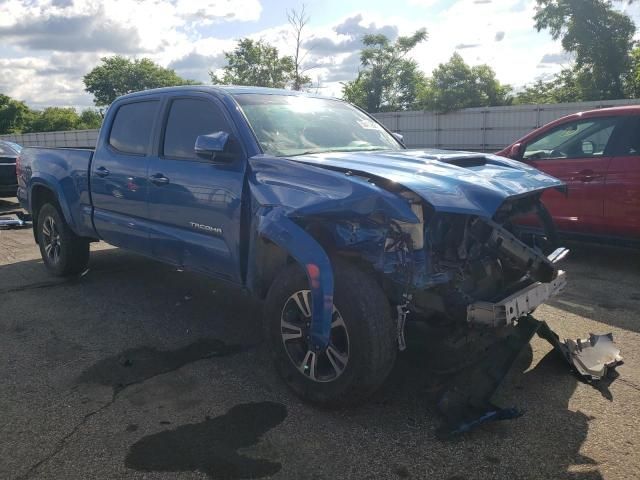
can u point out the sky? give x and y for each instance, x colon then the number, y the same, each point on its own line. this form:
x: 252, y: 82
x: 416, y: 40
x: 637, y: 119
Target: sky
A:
x: 46, y: 46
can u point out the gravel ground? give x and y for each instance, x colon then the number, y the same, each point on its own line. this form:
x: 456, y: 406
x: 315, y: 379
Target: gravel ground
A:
x: 139, y: 371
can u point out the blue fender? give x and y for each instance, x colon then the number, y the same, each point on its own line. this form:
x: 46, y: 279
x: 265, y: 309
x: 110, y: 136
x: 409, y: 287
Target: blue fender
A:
x: 285, y: 233
x: 51, y: 183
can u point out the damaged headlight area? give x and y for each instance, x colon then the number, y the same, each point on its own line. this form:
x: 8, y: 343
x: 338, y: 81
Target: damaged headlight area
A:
x: 476, y: 281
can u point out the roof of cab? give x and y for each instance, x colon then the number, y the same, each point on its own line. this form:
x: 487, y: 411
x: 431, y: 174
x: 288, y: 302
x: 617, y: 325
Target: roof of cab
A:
x: 225, y: 90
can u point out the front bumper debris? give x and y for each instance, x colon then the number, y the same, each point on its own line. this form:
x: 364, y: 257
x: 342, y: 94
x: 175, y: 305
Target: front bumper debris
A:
x: 591, y: 358
x: 466, y: 401
x: 509, y: 310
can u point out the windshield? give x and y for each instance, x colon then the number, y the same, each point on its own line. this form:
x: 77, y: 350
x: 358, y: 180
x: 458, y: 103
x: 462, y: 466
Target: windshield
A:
x: 8, y: 148
x: 289, y: 125
x: 15, y: 146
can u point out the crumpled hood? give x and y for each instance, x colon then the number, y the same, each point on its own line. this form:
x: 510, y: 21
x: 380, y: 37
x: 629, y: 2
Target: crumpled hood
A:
x: 456, y: 182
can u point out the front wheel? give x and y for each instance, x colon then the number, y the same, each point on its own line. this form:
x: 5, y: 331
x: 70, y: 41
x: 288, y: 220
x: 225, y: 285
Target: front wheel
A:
x: 63, y: 252
x: 362, y: 348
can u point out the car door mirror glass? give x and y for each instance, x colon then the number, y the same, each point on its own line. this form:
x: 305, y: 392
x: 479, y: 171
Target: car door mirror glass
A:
x: 207, y: 146
x: 588, y: 148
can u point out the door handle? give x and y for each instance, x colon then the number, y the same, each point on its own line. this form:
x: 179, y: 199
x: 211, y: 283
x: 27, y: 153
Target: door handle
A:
x: 588, y: 175
x: 158, y: 179
x: 102, y: 172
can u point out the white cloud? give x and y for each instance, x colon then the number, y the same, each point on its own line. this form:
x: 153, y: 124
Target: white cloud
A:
x: 46, y: 46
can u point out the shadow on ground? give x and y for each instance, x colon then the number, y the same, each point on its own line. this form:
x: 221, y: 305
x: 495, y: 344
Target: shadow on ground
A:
x: 158, y: 301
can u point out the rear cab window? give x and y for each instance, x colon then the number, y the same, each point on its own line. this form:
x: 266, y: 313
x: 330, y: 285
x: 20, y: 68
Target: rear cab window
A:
x: 133, y: 126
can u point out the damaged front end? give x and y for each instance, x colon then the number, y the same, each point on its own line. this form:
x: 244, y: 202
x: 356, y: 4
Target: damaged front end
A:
x: 472, y: 275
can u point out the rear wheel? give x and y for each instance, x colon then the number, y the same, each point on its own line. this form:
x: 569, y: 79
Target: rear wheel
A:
x: 63, y: 252
x: 362, y: 348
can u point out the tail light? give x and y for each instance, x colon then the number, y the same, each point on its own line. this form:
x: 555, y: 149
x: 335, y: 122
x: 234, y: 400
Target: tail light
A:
x: 18, y: 169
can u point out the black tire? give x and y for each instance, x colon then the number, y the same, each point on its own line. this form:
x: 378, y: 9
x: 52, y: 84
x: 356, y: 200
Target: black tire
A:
x: 549, y: 228
x: 371, y: 336
x: 543, y: 235
x: 63, y: 252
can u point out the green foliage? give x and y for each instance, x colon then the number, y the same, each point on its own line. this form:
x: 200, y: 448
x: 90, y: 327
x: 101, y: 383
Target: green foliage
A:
x: 388, y: 81
x: 256, y: 63
x: 633, y: 78
x: 599, y: 36
x: 119, y: 75
x: 89, y: 119
x: 53, y: 119
x: 16, y: 117
x: 13, y: 115
x: 570, y: 85
x: 455, y: 85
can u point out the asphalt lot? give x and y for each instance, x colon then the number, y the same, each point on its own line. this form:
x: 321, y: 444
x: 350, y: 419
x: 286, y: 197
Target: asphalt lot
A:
x: 137, y: 370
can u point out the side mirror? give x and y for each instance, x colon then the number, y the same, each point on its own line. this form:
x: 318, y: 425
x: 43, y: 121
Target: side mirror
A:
x: 515, y: 151
x: 399, y: 137
x: 207, y: 146
x: 588, y: 147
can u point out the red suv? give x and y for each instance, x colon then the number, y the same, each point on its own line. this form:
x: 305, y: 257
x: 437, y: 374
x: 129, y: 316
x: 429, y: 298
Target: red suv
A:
x: 597, y: 154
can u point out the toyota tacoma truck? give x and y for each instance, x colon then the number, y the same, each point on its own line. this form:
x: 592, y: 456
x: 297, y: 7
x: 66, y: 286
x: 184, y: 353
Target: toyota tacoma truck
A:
x: 310, y: 204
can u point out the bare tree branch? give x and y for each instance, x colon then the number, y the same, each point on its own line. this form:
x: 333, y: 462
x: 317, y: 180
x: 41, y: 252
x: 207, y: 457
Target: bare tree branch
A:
x: 298, y: 20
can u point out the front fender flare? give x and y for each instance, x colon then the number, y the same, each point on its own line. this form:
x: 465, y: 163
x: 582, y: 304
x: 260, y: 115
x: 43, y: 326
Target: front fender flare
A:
x: 279, y: 229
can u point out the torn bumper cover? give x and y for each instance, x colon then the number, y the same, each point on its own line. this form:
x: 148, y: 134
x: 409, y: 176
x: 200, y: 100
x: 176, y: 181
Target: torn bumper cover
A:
x: 466, y: 401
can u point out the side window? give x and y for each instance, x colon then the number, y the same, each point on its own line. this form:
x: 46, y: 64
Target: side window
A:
x: 628, y: 143
x: 132, y: 127
x: 579, y: 139
x: 189, y: 118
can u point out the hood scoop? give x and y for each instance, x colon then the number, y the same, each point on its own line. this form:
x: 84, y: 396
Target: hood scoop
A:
x: 465, y: 162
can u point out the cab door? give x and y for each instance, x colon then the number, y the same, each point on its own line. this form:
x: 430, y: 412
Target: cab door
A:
x: 622, y: 185
x: 119, y: 182
x: 194, y: 202
x: 578, y: 153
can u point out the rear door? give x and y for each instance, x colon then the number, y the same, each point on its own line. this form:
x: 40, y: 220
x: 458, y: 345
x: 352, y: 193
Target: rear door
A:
x: 119, y: 182
x: 622, y: 193
x: 195, y: 203
x: 578, y: 153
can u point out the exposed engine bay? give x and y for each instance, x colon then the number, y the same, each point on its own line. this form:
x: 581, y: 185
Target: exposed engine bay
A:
x: 476, y: 281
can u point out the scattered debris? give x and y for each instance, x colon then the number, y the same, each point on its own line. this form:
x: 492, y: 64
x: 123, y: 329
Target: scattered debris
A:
x: 591, y: 358
x: 15, y: 220
x: 466, y: 403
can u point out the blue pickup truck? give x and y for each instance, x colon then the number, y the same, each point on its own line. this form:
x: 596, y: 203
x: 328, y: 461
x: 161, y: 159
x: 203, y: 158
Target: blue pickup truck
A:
x: 310, y: 204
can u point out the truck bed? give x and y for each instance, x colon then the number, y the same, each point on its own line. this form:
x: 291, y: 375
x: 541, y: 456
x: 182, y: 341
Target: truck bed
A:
x: 65, y: 171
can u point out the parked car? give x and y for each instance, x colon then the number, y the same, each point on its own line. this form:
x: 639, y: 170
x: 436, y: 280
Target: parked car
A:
x: 9, y: 151
x: 597, y: 155
x: 310, y: 204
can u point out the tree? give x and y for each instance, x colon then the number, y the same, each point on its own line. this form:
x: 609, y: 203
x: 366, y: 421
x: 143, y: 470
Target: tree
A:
x: 570, y: 85
x: 256, y: 63
x: 297, y: 21
x: 54, y: 119
x: 455, y: 85
x: 13, y: 115
x: 119, y: 75
x: 89, y: 119
x: 633, y: 79
x: 599, y: 36
x: 388, y: 80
